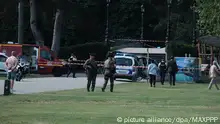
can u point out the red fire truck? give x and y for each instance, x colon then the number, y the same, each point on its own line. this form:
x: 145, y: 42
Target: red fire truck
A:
x: 43, y: 60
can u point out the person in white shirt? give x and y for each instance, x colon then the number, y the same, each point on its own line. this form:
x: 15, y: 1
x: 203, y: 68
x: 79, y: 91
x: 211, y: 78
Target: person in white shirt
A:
x: 71, y: 66
x: 213, y: 74
x: 152, y: 72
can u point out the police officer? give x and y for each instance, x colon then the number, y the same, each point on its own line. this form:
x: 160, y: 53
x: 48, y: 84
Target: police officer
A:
x: 71, y: 66
x: 91, y: 70
x: 109, y: 66
x: 162, y: 67
x: 172, y: 69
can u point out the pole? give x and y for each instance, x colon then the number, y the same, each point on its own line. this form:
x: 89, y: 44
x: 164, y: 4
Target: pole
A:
x: 20, y: 21
x: 148, y: 56
x: 168, y: 52
x: 194, y: 22
x: 107, y: 21
x: 142, y: 21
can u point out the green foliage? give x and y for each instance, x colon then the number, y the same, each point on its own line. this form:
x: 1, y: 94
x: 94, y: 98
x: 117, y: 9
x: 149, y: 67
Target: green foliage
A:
x: 181, y: 48
x: 82, y: 50
x: 85, y: 20
x: 209, y: 17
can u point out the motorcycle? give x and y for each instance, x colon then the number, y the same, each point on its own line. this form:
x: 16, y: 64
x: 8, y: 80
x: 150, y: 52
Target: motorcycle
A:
x: 22, y: 70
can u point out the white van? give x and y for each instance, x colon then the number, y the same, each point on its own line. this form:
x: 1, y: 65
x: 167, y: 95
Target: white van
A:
x: 125, y: 67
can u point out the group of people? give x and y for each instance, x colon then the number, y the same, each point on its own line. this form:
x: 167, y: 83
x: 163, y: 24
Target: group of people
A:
x: 91, y: 68
x: 162, y: 68
x: 109, y: 70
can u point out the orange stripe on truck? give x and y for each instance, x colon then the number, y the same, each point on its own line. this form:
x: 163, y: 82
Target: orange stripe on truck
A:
x: 50, y: 65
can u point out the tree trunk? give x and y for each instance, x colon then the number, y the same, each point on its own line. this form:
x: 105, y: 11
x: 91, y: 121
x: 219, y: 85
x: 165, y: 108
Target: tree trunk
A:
x: 57, y: 31
x: 33, y: 22
x: 21, y: 21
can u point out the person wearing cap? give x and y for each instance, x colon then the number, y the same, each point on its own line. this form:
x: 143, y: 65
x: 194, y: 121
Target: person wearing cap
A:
x: 109, y: 67
x: 213, y: 73
x: 172, y: 69
x: 162, y: 68
x: 91, y: 68
x: 152, y: 72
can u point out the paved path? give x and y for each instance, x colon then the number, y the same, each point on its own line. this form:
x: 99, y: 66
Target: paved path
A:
x: 36, y: 85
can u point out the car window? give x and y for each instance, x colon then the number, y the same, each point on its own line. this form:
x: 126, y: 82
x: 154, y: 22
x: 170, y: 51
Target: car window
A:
x: 45, y: 55
x: 123, y: 61
x: 2, y: 58
x: 136, y: 63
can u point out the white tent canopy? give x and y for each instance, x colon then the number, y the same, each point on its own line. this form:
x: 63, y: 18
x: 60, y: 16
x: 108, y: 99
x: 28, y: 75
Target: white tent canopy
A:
x: 143, y: 50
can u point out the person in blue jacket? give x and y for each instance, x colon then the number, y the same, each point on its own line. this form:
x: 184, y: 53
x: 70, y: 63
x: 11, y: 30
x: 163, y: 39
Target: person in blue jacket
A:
x: 152, y: 72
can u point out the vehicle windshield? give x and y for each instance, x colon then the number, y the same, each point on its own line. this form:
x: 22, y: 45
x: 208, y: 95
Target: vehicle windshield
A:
x: 123, y: 61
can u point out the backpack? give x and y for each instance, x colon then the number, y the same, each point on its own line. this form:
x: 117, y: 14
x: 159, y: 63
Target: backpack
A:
x: 109, y: 66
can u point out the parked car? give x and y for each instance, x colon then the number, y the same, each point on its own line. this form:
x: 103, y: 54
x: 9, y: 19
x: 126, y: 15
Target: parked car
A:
x: 3, y: 69
x: 125, y: 67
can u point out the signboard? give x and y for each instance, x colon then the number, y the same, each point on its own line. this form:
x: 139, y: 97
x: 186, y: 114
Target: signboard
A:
x: 189, y: 69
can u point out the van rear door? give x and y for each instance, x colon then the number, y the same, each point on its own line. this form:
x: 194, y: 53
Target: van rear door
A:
x: 124, y: 65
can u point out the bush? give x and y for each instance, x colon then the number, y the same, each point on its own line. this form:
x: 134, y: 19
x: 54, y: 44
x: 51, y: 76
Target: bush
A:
x: 82, y: 51
x: 179, y: 49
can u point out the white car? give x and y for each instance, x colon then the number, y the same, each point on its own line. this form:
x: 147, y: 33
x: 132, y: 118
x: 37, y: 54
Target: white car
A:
x: 125, y: 68
x: 3, y: 69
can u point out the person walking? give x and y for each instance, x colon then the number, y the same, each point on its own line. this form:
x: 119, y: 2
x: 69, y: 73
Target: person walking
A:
x: 91, y: 68
x: 71, y: 66
x: 172, y: 69
x: 162, y: 68
x: 109, y: 67
x: 213, y: 74
x: 152, y: 72
x: 11, y: 64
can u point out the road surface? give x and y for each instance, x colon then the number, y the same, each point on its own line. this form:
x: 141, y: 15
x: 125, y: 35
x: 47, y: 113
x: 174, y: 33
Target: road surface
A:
x: 46, y: 84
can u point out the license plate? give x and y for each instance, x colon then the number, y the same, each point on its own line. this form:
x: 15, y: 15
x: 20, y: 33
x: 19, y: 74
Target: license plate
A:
x: 122, y: 72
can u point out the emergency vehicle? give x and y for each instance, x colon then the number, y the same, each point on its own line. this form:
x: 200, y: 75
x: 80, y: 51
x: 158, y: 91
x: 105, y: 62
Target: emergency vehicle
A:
x: 42, y: 59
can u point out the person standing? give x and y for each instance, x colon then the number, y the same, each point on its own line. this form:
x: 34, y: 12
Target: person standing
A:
x: 11, y: 64
x: 162, y: 68
x: 152, y: 72
x: 213, y: 73
x: 172, y: 69
x: 71, y: 66
x: 109, y: 67
x: 91, y: 68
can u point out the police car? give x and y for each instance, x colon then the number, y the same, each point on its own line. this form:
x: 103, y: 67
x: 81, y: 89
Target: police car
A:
x: 126, y: 66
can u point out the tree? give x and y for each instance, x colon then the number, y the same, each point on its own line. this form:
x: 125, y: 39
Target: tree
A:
x: 209, y: 17
x: 57, y: 29
x: 21, y: 21
x: 34, y: 19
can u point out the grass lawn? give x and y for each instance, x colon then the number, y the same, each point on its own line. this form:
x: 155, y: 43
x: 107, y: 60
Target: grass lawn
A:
x: 134, y: 100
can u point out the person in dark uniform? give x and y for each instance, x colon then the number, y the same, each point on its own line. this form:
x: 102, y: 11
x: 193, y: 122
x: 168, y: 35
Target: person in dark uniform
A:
x: 71, y: 66
x: 172, y: 69
x: 91, y: 68
x: 109, y: 66
x: 162, y: 68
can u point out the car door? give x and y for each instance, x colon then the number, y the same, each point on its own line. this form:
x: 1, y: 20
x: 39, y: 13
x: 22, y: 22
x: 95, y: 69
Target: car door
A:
x: 3, y: 69
x: 45, y: 62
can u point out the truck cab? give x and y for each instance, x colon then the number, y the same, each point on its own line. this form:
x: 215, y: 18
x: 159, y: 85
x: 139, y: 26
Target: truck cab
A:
x: 42, y: 59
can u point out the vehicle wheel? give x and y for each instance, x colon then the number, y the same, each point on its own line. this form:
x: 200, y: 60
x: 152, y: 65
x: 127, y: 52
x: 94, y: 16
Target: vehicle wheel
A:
x: 57, y: 72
